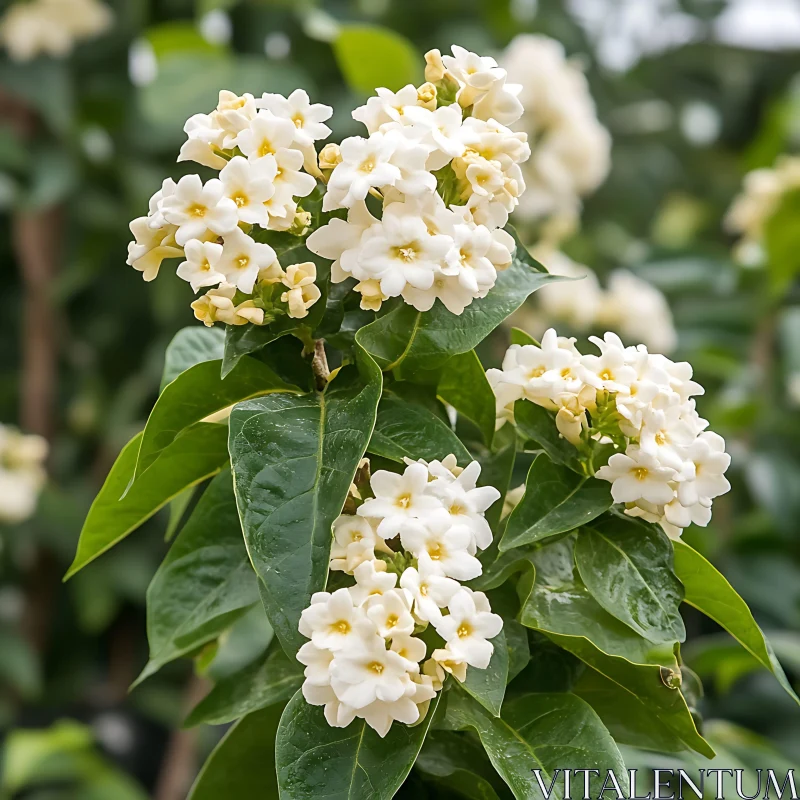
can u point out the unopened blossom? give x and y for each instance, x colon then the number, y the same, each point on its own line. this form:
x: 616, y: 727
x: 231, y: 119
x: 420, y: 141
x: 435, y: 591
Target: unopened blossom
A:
x: 217, y: 305
x: 151, y: 246
x: 303, y: 292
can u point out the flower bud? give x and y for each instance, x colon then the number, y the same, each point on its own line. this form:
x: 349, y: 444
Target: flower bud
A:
x: 302, y: 219
x: 426, y: 96
x: 371, y: 294
x: 330, y: 156
x: 434, y: 66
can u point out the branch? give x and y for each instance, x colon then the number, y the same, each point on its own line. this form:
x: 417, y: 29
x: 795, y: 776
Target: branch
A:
x: 319, y: 364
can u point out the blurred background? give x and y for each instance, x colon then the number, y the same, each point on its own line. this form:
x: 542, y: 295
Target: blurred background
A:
x: 645, y: 116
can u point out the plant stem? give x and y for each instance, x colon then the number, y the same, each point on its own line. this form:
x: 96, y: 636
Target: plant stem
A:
x: 319, y: 364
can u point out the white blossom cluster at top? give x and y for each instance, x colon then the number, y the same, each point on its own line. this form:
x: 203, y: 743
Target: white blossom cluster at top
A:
x: 761, y: 196
x: 22, y: 473
x: 365, y: 658
x: 668, y: 468
x: 439, y: 163
x: 446, y: 170
x: 260, y: 147
x: 50, y: 27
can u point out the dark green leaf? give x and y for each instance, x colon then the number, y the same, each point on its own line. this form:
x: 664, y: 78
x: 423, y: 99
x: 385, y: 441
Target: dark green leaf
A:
x: 268, y: 681
x: 315, y: 760
x: 242, y: 765
x: 556, y: 500
x: 408, y: 340
x: 628, y: 568
x: 464, y: 386
x: 370, y: 56
x: 457, y: 763
x: 519, y: 653
x: 560, y: 606
x: 197, y: 454
x: 197, y: 393
x: 205, y: 582
x: 708, y: 591
x: 519, y: 336
x: 405, y: 429
x: 191, y: 346
x: 496, y: 470
x: 539, y: 425
x: 294, y: 458
x: 488, y: 686
x: 545, y: 732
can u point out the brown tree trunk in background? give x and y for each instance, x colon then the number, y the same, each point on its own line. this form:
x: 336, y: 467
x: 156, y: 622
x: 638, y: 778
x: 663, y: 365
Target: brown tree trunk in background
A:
x: 37, y: 236
x: 179, y: 766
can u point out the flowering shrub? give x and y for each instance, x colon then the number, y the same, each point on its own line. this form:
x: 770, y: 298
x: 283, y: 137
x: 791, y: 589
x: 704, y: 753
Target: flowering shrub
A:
x: 354, y: 480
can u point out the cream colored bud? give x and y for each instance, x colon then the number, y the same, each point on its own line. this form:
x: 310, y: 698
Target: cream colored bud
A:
x: 569, y: 426
x: 271, y: 274
x: 302, y: 219
x: 434, y: 66
x: 298, y: 275
x: 248, y: 312
x: 371, y: 294
x: 426, y: 96
x: 330, y: 156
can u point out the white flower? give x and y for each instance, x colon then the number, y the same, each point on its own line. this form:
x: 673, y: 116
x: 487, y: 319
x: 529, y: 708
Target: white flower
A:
x: 665, y: 434
x: 339, y: 241
x: 430, y: 590
x: 399, y: 250
x: 205, y: 140
x: 354, y: 542
x: 337, y: 714
x: 447, y: 545
x: 466, y: 503
x: 22, y: 474
x: 442, y: 132
x: 317, y: 663
x: 391, y: 613
x: 456, y: 665
x: 150, y: 247
x: 710, y: 460
x: 197, y: 209
x: 334, y: 622
x: 387, y: 107
x: 636, y: 475
x: 380, y: 714
x: 366, y: 163
x: 410, y: 648
x: 372, y: 581
x: 243, y: 258
x: 308, y: 118
x: 250, y: 185
x: 609, y: 371
x: 467, y: 628
x: 399, y: 499
x: 366, y: 671
x: 469, y: 259
x: 265, y: 135
x: 200, y: 265
x: 290, y: 182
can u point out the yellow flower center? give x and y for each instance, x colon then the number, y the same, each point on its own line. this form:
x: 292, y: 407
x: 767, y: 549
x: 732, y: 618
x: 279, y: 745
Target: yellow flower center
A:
x: 661, y: 438
x: 607, y: 375
x: 240, y: 199
x: 423, y: 589
x: 392, y: 620
x: 376, y: 667
x: 536, y: 372
x: 298, y: 120
x: 242, y: 262
x: 266, y: 148
x: 367, y: 166
x: 342, y: 627
x: 404, y: 501
x: 435, y: 552
x: 464, y: 630
x: 640, y: 473
x: 197, y: 210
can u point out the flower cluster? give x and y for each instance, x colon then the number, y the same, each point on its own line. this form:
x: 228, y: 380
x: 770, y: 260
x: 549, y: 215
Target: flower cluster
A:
x: 51, y: 27
x: 264, y: 150
x: 667, y: 467
x: 446, y: 171
x: 629, y: 305
x: 21, y: 473
x: 760, y: 198
x: 364, y: 658
x: 571, y: 154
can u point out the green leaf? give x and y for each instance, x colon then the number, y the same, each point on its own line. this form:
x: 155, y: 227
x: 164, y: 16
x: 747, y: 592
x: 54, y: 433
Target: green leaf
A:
x: 488, y: 686
x: 556, y: 500
x: 708, y: 591
x: 294, y: 458
x: 404, y: 429
x: 242, y: 765
x: 408, y: 340
x: 205, y: 582
x: 197, y: 454
x: 464, y: 386
x: 315, y: 760
x: 560, y: 606
x: 519, y: 652
x: 629, y: 720
x: 519, y: 336
x: 545, y: 732
x: 628, y: 568
x: 197, y: 393
x: 457, y: 763
x: 539, y: 425
x: 19, y: 666
x: 371, y: 56
x: 177, y: 509
x: 267, y: 681
x: 782, y: 241
x: 191, y: 346
x: 497, y: 468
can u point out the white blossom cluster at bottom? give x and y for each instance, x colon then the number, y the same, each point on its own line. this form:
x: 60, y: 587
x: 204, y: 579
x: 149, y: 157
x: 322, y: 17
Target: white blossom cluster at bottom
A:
x: 365, y: 658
